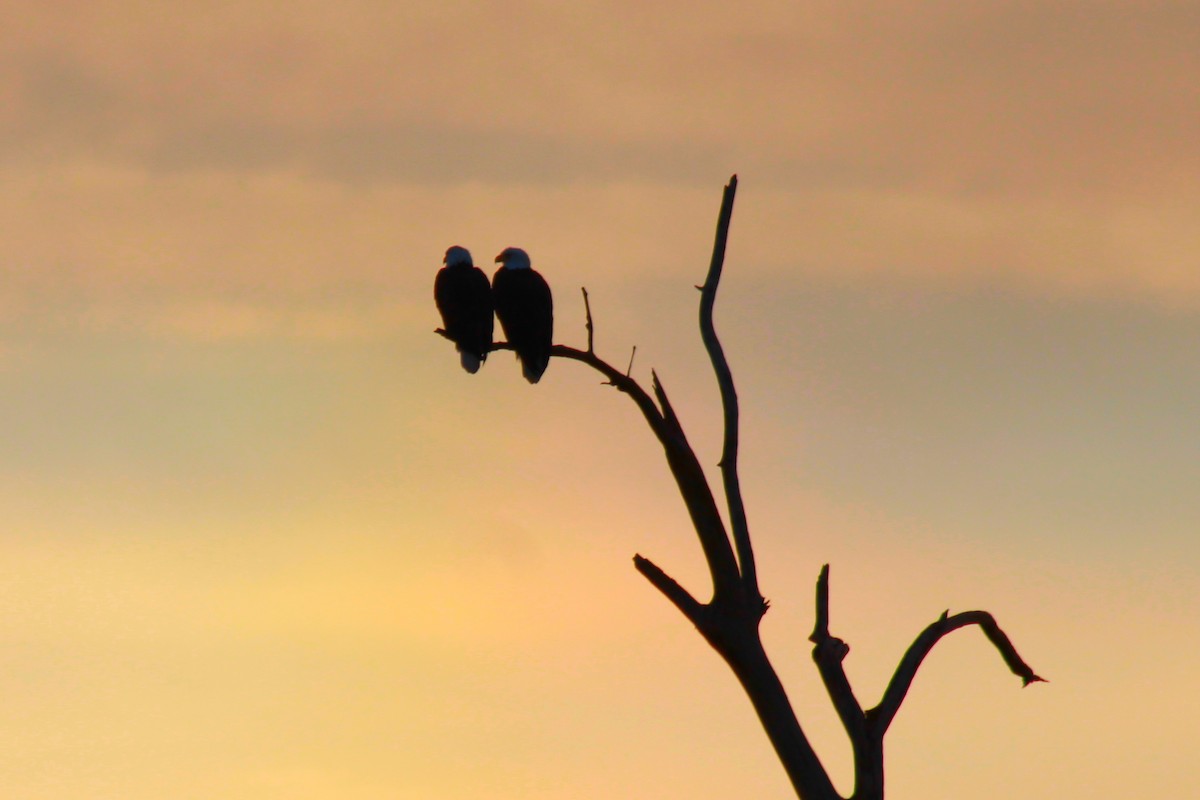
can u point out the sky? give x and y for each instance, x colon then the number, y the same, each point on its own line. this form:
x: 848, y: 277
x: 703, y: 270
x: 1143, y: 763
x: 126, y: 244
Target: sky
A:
x: 263, y: 538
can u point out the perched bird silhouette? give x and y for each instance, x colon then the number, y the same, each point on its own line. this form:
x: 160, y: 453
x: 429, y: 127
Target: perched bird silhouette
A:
x: 526, y: 310
x: 464, y: 298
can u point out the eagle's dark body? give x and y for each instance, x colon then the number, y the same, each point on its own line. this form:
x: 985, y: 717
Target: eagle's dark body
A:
x: 525, y: 308
x: 464, y: 298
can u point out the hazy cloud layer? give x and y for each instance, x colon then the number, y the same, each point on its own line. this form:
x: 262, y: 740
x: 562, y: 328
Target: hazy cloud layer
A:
x: 1049, y: 144
x: 1093, y: 95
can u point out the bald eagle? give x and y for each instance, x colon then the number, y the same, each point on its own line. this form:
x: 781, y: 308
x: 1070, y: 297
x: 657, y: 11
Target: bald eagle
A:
x: 464, y: 297
x: 525, y: 309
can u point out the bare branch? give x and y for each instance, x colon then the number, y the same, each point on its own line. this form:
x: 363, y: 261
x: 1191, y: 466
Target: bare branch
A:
x: 698, y: 497
x: 632, y: 353
x: 729, y: 402
x: 622, y: 382
x: 881, y: 716
x: 683, y: 600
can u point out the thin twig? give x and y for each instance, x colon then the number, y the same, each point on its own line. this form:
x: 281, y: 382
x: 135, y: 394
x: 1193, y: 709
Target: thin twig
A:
x: 587, y: 307
x: 629, y: 369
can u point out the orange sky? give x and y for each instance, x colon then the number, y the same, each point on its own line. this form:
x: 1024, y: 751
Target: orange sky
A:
x: 263, y: 538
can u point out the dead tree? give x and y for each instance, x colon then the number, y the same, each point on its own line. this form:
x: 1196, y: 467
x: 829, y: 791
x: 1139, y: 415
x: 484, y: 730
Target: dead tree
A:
x: 729, y: 621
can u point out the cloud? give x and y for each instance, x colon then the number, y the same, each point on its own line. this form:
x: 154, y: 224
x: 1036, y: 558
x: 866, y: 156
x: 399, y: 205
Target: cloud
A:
x: 67, y: 110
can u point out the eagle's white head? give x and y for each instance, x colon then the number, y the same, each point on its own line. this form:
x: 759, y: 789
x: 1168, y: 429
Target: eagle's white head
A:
x: 513, y: 258
x: 458, y: 256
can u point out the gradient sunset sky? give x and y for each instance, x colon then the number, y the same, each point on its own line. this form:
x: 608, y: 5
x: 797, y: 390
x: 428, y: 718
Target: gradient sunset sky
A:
x: 262, y: 538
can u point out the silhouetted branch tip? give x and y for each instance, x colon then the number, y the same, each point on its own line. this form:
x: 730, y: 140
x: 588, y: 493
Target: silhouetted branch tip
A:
x: 667, y: 411
x: 680, y: 597
x: 629, y: 369
x: 1007, y: 651
x: 821, y: 627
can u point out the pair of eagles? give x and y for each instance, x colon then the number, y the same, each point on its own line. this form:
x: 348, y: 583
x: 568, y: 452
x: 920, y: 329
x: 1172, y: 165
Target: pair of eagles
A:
x: 517, y: 294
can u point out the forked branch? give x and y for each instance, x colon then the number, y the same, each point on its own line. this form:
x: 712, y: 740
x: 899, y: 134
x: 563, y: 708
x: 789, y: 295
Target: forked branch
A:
x: 866, y: 729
